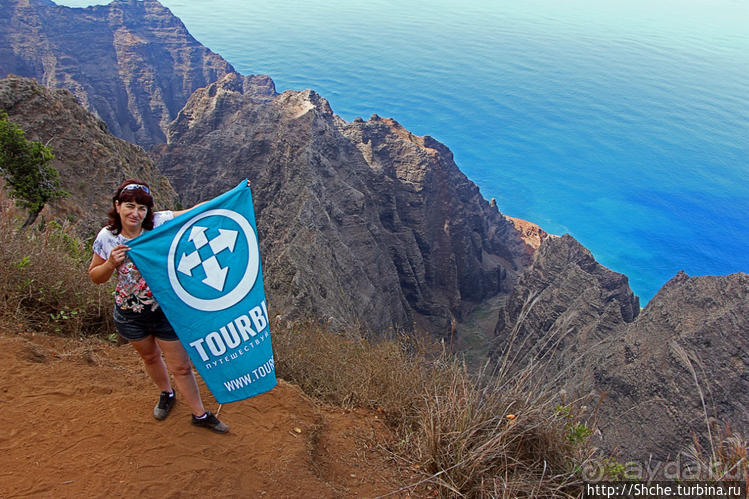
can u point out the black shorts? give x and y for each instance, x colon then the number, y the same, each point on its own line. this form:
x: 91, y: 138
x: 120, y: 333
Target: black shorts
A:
x: 135, y: 326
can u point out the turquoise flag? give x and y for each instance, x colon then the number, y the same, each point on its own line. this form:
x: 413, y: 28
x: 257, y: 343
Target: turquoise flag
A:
x: 203, y: 267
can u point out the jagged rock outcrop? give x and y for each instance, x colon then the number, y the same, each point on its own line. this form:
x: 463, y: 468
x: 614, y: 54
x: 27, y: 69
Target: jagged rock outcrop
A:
x: 91, y: 162
x: 532, y: 234
x: 132, y: 63
x: 681, y: 366
x: 361, y: 222
x: 658, y: 375
x: 564, y: 303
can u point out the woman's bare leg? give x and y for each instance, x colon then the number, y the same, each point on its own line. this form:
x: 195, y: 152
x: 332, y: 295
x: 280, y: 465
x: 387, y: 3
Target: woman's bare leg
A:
x: 151, y: 354
x: 181, y: 367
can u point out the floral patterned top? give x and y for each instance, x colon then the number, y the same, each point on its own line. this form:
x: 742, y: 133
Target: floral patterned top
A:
x: 131, y: 291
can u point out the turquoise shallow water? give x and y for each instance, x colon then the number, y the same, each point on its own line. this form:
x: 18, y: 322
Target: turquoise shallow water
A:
x: 624, y: 124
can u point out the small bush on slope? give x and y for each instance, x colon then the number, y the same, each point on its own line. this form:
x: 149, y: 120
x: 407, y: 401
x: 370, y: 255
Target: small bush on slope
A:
x: 44, y: 285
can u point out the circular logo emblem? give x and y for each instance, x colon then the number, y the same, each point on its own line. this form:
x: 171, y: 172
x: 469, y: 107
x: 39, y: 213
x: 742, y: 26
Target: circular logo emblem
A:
x: 213, y: 260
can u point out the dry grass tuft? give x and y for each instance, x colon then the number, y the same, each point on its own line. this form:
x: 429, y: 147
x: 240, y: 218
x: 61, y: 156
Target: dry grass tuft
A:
x: 345, y: 369
x: 43, y: 284
x: 485, y: 435
x: 726, y: 459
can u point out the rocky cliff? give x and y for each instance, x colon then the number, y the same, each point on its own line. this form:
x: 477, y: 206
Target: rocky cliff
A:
x: 360, y: 222
x: 91, y: 162
x: 533, y: 235
x: 364, y: 221
x: 680, y: 370
x: 131, y: 62
x: 565, y: 302
x: 661, y: 376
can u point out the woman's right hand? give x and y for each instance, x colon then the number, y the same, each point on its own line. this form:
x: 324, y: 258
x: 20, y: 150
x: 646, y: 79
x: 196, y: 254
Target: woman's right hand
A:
x: 101, y: 270
x: 117, y: 256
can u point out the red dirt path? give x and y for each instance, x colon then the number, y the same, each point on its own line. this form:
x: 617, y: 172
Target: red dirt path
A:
x: 75, y: 421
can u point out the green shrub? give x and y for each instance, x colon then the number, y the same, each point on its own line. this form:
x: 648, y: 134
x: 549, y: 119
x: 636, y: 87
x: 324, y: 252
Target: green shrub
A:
x: 24, y: 164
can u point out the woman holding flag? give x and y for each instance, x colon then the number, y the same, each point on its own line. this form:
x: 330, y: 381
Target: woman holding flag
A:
x: 137, y: 316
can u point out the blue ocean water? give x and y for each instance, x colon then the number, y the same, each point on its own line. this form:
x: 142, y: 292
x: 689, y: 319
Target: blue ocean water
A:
x: 623, y: 123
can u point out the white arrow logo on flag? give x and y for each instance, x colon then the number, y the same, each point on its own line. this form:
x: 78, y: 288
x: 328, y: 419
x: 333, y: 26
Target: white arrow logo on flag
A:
x: 215, y: 275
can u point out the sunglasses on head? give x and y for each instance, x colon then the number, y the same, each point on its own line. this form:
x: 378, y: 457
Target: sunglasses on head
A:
x: 130, y: 187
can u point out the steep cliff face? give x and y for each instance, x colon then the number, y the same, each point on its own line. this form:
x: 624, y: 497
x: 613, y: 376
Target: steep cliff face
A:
x: 564, y: 303
x: 131, y: 62
x: 662, y: 376
x: 682, y: 366
x: 91, y: 162
x: 360, y: 222
x: 421, y: 194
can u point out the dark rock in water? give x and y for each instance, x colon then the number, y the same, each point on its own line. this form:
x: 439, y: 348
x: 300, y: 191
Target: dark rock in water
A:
x: 131, y: 63
x: 360, y: 222
x: 91, y: 162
